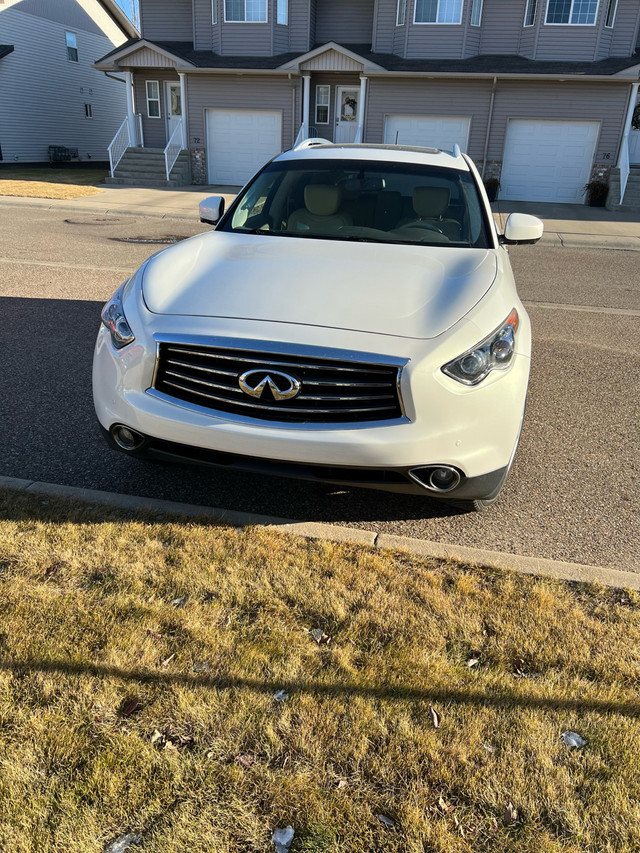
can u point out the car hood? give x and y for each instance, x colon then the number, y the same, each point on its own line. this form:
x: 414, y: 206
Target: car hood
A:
x: 406, y: 291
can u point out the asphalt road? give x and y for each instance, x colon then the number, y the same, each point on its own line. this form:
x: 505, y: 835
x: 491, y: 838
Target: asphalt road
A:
x: 573, y: 493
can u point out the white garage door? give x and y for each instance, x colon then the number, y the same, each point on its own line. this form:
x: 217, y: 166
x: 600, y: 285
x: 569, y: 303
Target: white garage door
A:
x: 428, y: 131
x: 239, y: 142
x: 548, y: 160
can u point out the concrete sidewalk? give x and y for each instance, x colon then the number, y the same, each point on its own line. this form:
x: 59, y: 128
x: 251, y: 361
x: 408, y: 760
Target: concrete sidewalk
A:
x: 566, y: 225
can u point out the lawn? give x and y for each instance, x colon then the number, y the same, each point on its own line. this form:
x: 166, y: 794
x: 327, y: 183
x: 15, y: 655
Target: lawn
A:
x: 422, y: 702
x: 51, y: 182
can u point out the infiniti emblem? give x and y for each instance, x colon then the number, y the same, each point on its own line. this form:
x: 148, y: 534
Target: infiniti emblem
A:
x: 281, y: 385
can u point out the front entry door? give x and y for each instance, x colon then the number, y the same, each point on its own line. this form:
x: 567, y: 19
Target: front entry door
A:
x: 347, y: 114
x: 173, y: 104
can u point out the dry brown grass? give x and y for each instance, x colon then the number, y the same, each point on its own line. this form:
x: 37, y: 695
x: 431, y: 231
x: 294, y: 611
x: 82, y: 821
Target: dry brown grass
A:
x: 95, y: 657
x: 50, y: 183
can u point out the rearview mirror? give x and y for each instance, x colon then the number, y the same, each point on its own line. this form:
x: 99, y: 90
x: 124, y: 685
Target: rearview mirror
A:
x: 211, y: 209
x: 522, y: 228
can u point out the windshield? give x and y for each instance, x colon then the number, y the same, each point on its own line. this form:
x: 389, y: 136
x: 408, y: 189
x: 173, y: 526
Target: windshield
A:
x: 372, y: 201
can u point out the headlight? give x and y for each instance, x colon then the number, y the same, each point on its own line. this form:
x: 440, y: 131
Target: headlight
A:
x: 115, y: 321
x: 493, y: 353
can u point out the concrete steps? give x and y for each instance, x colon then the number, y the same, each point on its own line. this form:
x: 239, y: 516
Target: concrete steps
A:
x: 145, y: 167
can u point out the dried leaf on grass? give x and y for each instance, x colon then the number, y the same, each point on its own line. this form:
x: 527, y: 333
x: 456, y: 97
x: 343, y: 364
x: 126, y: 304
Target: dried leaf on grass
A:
x: 510, y: 815
x: 178, y: 602
x: 170, y: 742
x: 435, y: 717
x: 168, y: 660
x: 282, y: 839
x: 386, y: 821
x: 245, y: 760
x: 129, y: 706
x: 154, y: 634
x: 281, y: 695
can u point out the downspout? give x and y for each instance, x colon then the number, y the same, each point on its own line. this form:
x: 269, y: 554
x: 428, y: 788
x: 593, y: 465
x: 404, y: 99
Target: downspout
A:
x: 111, y: 77
x: 489, y: 120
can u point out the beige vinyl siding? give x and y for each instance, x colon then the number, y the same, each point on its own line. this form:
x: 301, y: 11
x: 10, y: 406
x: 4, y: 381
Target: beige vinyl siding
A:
x: 603, y: 44
x: 385, y: 26
x: 429, y: 98
x: 575, y: 43
x: 202, y: 26
x: 625, y: 28
x: 350, y: 23
x: 571, y: 100
x: 43, y: 94
x: 529, y: 36
x: 166, y: 20
x: 233, y: 92
x: 154, y: 129
x: 502, y: 26
x: 299, y: 23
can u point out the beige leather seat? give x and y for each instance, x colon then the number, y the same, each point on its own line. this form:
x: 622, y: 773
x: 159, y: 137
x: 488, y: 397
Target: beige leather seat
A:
x: 430, y: 204
x: 320, y: 212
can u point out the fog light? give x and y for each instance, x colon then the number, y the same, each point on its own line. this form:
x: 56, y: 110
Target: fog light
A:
x: 127, y: 439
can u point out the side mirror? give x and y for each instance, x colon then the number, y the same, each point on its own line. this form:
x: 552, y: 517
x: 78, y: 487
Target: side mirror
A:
x: 211, y: 209
x: 522, y: 228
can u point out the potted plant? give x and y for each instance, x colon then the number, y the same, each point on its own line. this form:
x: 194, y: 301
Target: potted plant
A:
x: 597, y: 192
x: 492, y: 185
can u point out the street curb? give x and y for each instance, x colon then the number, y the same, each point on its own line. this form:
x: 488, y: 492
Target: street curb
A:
x: 335, y: 533
x: 8, y: 201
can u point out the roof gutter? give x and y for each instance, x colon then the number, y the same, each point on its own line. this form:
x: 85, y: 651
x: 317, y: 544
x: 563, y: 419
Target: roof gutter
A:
x: 567, y: 77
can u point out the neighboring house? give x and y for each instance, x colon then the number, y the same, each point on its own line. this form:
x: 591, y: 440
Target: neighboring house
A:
x: 50, y: 93
x: 540, y: 93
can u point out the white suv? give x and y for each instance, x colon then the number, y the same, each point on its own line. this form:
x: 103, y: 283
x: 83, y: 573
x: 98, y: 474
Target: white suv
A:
x: 352, y: 318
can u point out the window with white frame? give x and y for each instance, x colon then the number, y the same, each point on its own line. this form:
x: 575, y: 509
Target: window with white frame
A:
x: 476, y: 13
x: 574, y: 12
x: 438, y: 12
x: 72, y: 46
x: 611, y: 13
x: 322, y: 104
x: 249, y: 11
x: 282, y: 12
x: 214, y: 11
x: 530, y: 13
x: 153, y: 99
x: 401, y: 13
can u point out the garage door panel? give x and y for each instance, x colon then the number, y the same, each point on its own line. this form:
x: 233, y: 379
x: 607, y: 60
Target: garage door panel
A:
x: 239, y: 142
x: 548, y: 160
x: 428, y: 131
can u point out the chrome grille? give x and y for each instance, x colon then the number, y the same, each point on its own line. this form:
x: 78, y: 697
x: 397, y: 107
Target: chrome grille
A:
x: 332, y: 390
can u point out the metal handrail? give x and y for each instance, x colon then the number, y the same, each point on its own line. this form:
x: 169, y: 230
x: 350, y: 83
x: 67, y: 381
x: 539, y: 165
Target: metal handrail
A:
x: 119, y: 144
x: 173, y: 149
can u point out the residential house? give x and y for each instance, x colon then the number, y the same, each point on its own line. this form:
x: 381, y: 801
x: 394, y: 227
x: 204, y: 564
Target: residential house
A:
x: 540, y: 93
x: 50, y: 93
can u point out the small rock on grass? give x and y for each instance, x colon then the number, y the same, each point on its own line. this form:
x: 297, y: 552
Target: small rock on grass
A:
x: 282, y: 839
x: 386, y: 821
x: 320, y: 637
x: 281, y: 695
x: 573, y: 740
x: 119, y: 845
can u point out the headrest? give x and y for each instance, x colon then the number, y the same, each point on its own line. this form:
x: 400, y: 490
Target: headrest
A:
x: 430, y: 202
x: 322, y: 200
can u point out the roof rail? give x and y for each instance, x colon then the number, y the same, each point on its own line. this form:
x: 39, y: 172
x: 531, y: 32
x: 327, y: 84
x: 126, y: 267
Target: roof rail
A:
x: 313, y: 142
x: 456, y: 150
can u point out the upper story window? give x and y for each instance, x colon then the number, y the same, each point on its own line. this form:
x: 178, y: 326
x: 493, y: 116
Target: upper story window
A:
x: 576, y: 12
x: 282, y: 12
x: 72, y: 46
x: 438, y: 12
x: 611, y: 13
x: 401, y: 13
x: 530, y: 13
x: 214, y: 11
x: 476, y: 13
x: 251, y: 11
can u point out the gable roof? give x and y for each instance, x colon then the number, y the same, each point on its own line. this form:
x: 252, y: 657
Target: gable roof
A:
x: 123, y: 21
